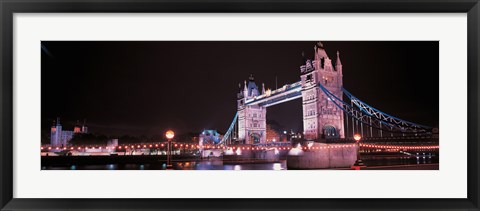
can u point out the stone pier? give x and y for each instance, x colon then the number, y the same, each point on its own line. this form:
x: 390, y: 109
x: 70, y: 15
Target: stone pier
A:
x: 321, y: 156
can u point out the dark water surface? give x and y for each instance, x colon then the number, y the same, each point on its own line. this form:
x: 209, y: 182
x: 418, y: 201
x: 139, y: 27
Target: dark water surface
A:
x: 216, y: 164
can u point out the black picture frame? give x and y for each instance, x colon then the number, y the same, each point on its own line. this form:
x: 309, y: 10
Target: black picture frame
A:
x: 9, y: 7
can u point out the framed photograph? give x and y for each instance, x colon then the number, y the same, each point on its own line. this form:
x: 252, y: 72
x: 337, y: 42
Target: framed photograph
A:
x: 239, y: 105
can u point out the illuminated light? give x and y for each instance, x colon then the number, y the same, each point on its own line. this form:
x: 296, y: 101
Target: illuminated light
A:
x: 186, y: 145
x: 99, y: 147
x: 169, y: 134
x: 126, y: 147
x: 79, y: 148
x: 156, y: 145
x: 119, y: 147
x: 176, y: 145
x: 138, y: 146
x: 144, y: 146
x: 161, y: 145
x: 71, y: 148
x: 41, y: 148
x: 150, y: 145
x: 357, y: 137
x: 49, y: 148
x: 181, y: 145
x: 64, y: 148
x: 248, y: 148
x: 56, y: 148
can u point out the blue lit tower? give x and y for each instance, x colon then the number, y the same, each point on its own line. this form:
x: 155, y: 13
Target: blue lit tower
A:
x: 56, y: 133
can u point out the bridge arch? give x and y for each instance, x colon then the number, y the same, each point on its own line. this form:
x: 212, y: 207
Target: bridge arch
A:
x: 329, y: 131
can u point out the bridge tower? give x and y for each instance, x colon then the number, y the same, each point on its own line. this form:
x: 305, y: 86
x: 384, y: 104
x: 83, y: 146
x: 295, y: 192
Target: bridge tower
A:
x: 321, y: 118
x: 251, y: 118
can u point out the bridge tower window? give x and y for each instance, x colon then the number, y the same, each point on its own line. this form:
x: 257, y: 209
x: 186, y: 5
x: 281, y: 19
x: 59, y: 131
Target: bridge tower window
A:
x: 309, y: 77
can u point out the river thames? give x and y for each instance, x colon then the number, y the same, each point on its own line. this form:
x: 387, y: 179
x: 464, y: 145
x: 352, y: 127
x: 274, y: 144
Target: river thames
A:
x: 420, y: 162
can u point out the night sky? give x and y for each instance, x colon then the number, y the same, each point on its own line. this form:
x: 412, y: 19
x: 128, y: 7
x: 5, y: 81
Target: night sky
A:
x: 145, y: 88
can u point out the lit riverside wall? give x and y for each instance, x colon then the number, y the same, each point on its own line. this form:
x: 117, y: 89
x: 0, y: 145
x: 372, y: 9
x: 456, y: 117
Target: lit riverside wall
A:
x: 324, y: 157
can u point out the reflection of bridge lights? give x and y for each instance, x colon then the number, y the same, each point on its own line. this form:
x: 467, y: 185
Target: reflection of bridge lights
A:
x: 277, y: 166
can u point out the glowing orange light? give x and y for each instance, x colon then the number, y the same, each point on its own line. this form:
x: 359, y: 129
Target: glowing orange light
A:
x: 357, y: 137
x: 169, y: 134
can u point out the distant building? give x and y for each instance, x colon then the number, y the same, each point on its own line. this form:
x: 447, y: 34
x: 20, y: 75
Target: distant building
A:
x: 210, y: 137
x: 272, y: 134
x: 60, y: 137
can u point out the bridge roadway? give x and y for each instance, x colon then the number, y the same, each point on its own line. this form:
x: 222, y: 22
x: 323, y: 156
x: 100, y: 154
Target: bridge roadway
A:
x: 285, y: 93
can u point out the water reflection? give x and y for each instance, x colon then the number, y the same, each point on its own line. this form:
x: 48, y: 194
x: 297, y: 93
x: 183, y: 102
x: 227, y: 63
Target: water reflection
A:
x: 217, y: 164
x: 191, y: 165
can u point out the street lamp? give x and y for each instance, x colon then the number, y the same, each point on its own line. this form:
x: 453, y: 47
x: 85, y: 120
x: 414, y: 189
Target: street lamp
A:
x: 358, y: 163
x: 169, y: 134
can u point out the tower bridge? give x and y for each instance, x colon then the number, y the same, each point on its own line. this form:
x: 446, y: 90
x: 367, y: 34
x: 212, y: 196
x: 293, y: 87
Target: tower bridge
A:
x: 326, y: 115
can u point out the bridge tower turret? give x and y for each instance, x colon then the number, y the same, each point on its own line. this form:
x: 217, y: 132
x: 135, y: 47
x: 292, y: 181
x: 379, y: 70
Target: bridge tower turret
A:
x: 251, y: 118
x: 321, y: 118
